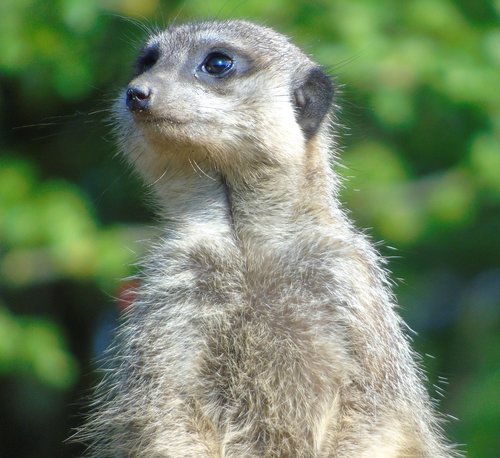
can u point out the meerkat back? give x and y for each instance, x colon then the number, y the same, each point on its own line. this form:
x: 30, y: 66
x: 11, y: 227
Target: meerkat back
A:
x: 264, y: 325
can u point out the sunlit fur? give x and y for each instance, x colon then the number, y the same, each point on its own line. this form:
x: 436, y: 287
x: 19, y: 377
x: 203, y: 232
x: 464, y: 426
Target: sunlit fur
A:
x: 264, y: 324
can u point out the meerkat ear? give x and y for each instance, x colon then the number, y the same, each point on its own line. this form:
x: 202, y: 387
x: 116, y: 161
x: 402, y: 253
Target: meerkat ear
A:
x: 313, y: 99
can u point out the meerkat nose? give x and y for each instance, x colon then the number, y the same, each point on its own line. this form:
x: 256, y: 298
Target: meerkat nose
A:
x: 138, y: 98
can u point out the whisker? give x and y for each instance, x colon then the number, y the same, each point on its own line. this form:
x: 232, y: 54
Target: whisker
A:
x: 195, y: 164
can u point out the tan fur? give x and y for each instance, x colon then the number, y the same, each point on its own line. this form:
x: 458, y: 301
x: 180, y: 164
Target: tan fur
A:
x: 265, y: 325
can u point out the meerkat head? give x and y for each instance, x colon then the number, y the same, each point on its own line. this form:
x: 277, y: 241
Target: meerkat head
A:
x: 233, y: 95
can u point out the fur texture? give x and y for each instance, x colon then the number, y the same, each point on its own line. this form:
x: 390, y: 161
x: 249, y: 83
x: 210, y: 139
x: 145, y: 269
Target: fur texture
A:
x: 265, y: 323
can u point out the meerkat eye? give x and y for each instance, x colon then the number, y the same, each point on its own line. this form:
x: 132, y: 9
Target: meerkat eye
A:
x: 217, y: 64
x: 147, y: 59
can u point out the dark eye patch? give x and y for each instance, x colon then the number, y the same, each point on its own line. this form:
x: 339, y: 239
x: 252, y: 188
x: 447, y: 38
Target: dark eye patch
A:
x: 147, y: 58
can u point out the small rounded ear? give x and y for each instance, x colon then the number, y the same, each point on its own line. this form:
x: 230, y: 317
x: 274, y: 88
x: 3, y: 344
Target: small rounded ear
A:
x: 313, y: 99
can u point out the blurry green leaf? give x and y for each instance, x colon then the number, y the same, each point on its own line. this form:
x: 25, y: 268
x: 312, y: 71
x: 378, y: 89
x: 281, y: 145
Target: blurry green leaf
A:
x: 70, y: 228
x: 10, y: 333
x: 485, y: 158
x: 16, y: 180
x: 377, y: 190
x: 491, y: 46
x: 21, y: 267
x: 371, y: 162
x: 451, y: 198
x: 393, y: 107
x: 438, y: 17
x: 115, y: 257
x: 79, y: 15
x: 44, y: 354
x: 139, y: 9
x: 36, y: 347
x: 480, y: 413
x: 399, y: 219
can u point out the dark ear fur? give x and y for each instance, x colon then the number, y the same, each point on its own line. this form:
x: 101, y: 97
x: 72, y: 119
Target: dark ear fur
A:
x: 313, y: 99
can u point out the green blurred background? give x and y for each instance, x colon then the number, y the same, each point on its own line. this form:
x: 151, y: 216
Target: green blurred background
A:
x: 420, y: 97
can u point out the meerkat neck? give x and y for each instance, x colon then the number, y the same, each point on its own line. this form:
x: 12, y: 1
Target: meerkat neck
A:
x: 289, y: 198
x: 194, y: 205
x: 268, y: 205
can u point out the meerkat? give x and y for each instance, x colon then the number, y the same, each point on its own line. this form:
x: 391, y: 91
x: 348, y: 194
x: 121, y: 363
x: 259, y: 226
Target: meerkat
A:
x: 264, y: 325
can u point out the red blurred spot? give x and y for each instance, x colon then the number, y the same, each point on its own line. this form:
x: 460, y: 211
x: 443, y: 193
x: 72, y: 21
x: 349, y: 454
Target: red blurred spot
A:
x: 127, y: 294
